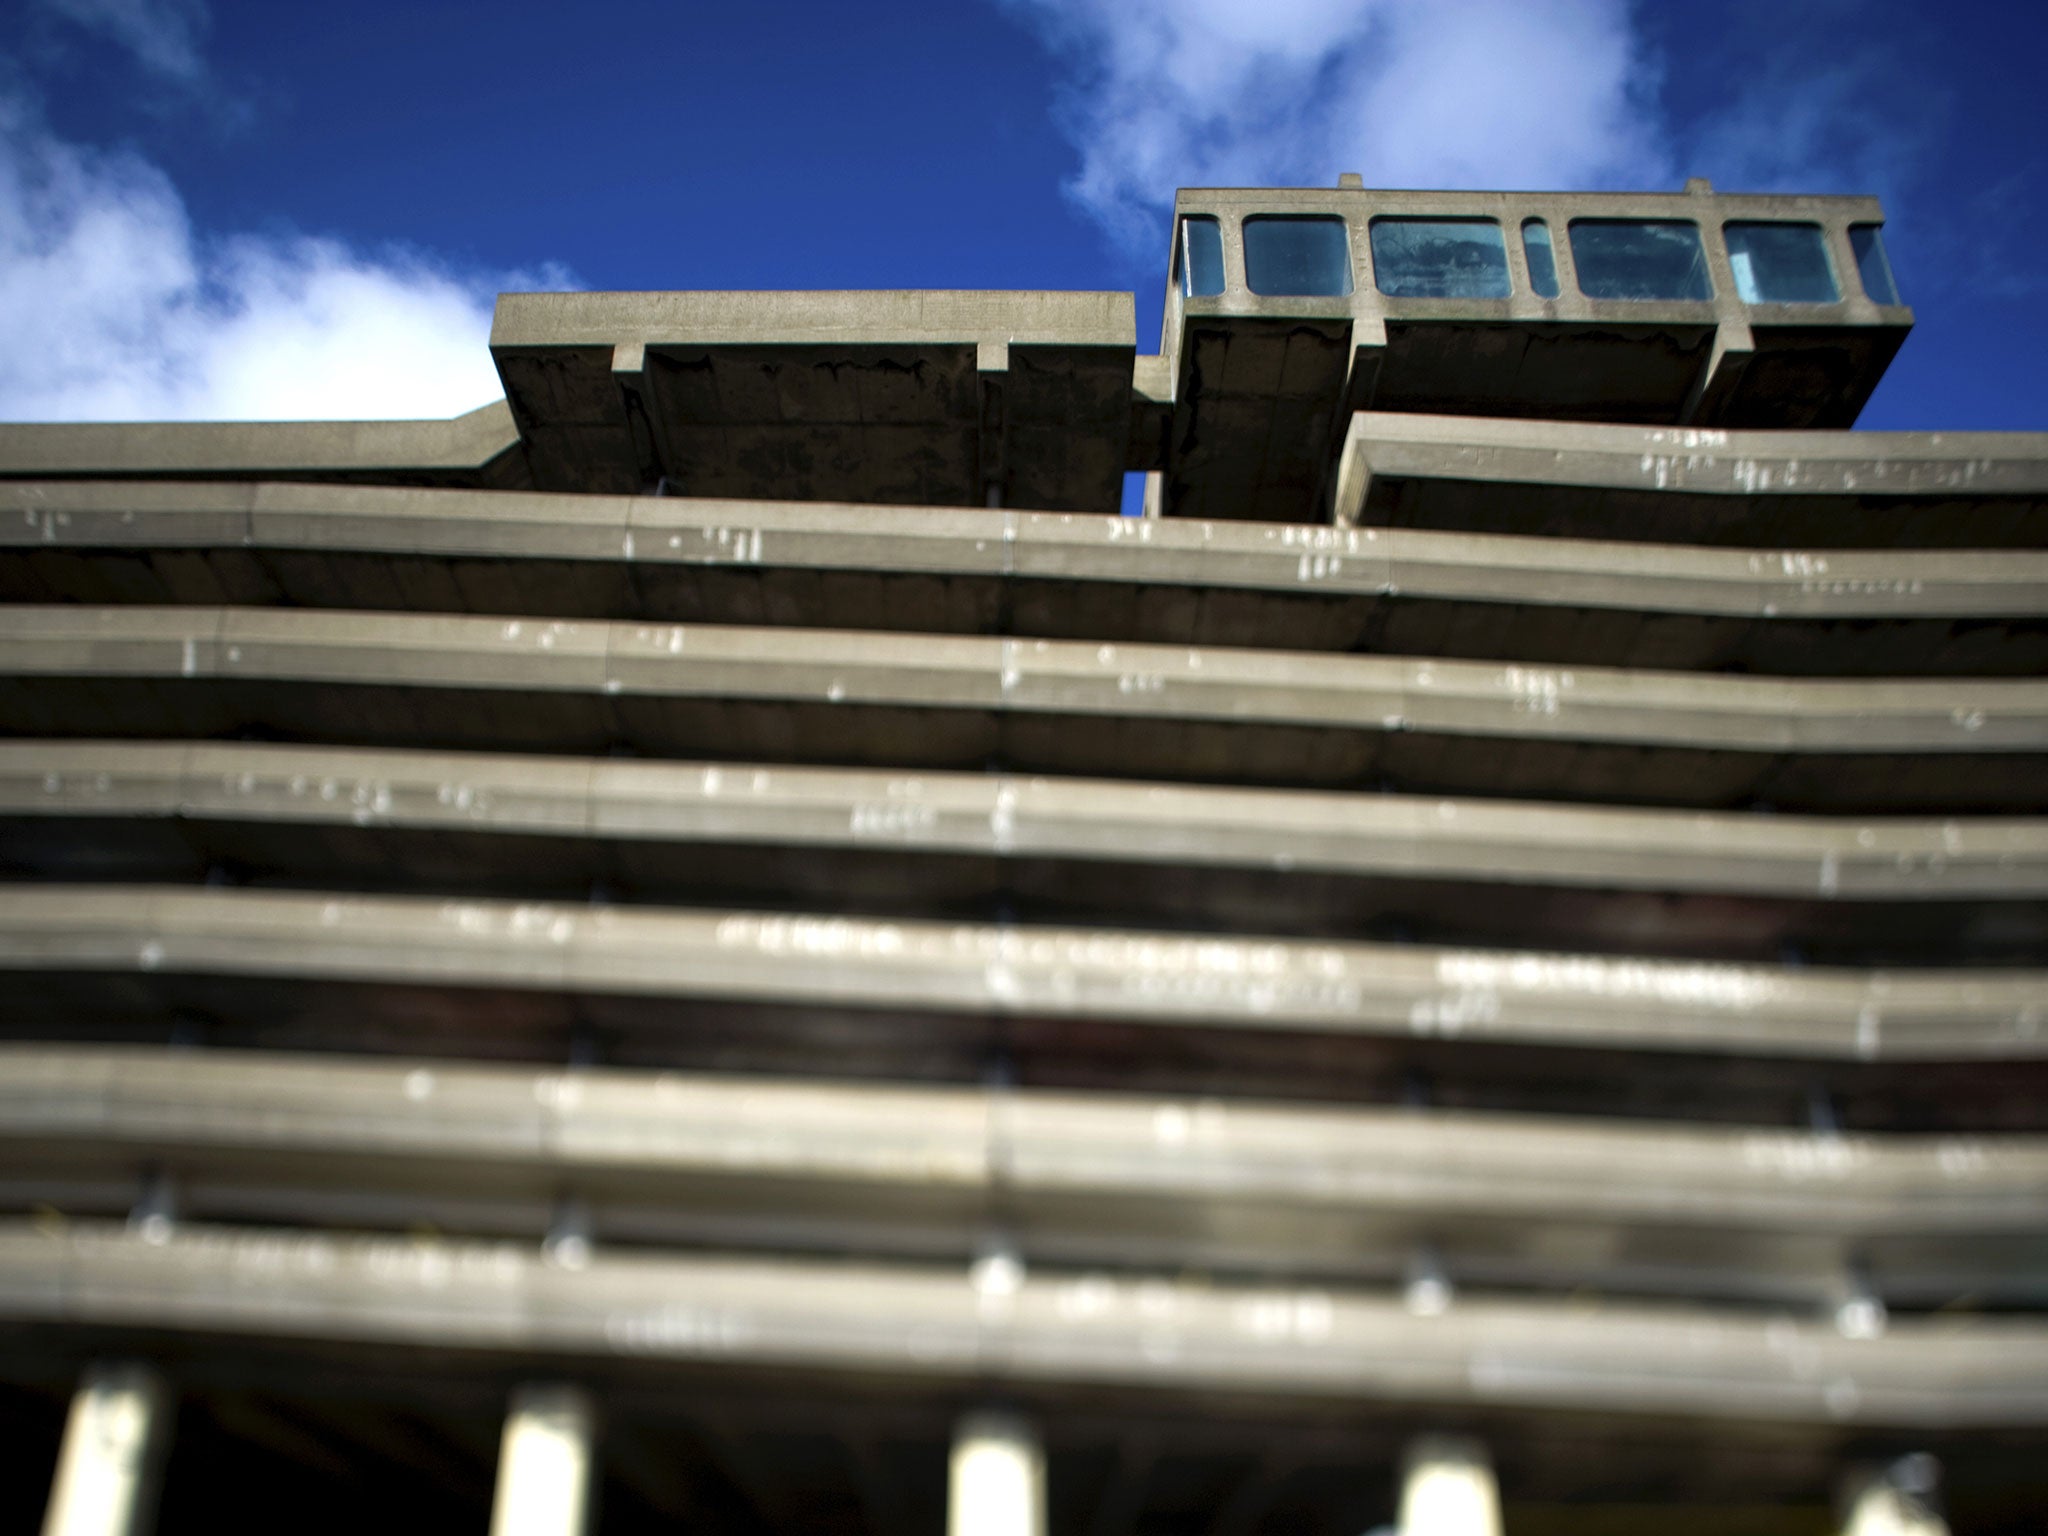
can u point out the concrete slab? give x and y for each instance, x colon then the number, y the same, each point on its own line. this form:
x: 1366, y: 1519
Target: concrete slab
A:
x: 1193, y: 981
x: 920, y: 1323
x: 1804, y: 492
x: 1539, y: 599
x: 1533, y: 1202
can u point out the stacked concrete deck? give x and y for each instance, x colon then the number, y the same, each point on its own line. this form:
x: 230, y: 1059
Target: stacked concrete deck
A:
x: 729, y: 906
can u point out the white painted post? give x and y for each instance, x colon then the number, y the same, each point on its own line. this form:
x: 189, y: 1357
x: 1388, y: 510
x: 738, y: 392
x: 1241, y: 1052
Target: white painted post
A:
x: 1447, y: 1489
x: 544, y: 1463
x: 1898, y: 1500
x: 997, y: 1482
x: 114, y: 1443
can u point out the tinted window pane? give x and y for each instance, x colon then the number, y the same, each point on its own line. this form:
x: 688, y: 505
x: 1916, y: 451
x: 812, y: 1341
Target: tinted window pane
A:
x: 1200, y: 257
x: 1296, y: 256
x: 1542, y: 260
x: 1440, y: 258
x: 1872, y: 265
x: 1780, y: 264
x: 1640, y: 259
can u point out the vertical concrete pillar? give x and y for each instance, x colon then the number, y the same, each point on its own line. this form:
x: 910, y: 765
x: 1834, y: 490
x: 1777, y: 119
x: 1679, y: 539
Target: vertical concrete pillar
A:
x: 1447, y: 1489
x: 114, y: 1443
x: 997, y: 1481
x: 545, y: 1463
x: 1898, y: 1500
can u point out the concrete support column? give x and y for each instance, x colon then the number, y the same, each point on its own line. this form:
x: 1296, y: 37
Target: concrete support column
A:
x: 545, y: 1463
x: 114, y: 1444
x: 1447, y: 1489
x: 1898, y: 1500
x: 997, y: 1481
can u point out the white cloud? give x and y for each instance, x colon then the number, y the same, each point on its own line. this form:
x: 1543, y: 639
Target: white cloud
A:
x: 115, y: 308
x: 163, y: 35
x: 1426, y: 93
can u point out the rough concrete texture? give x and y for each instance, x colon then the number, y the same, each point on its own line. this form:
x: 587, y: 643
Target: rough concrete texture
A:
x: 1820, y: 491
x: 1540, y: 599
x: 1095, y: 1179
x: 1015, y: 399
x: 920, y: 1321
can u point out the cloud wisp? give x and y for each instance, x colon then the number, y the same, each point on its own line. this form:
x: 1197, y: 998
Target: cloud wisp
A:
x: 162, y: 35
x: 116, y: 308
x: 1432, y: 93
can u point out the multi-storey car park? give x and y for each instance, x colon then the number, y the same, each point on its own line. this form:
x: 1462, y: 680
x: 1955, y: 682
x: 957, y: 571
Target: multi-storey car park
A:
x: 722, y: 946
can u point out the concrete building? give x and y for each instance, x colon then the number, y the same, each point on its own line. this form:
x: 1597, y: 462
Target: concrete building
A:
x: 722, y: 946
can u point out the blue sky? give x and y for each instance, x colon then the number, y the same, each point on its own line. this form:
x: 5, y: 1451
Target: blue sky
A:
x: 260, y: 210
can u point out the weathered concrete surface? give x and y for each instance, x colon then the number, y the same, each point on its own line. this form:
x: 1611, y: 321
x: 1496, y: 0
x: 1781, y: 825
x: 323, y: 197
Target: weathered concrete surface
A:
x: 1195, y: 981
x: 925, y: 398
x: 1915, y: 890
x: 1416, y: 592
x: 1244, y: 1186
x: 921, y: 701
x: 480, y: 448
x: 919, y: 1323
x: 1262, y: 383
x: 1831, y: 491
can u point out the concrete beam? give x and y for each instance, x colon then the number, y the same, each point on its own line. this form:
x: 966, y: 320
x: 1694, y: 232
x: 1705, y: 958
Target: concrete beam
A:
x: 546, y: 1470
x: 995, y: 1482
x: 505, y: 1301
x: 603, y: 802
x: 1099, y: 578
x: 1531, y: 1201
x: 480, y: 448
x: 1192, y: 982
x: 1820, y: 492
x: 1346, y: 704
x: 114, y: 1445
x: 1447, y: 1489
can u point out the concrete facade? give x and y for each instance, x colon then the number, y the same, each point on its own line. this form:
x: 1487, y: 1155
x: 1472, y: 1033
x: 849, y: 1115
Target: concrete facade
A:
x: 720, y: 945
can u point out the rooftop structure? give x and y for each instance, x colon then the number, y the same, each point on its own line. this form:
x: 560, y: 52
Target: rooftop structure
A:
x: 720, y: 944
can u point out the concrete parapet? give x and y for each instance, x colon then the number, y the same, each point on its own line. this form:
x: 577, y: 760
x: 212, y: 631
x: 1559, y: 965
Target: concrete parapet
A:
x: 920, y: 1323
x: 1534, y: 1202
x: 1801, y: 491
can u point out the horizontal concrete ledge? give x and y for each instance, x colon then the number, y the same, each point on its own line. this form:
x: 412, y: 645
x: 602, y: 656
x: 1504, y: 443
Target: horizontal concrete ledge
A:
x: 1836, y: 489
x: 923, y: 1323
x: 1030, y: 546
x: 1129, y: 683
x: 1005, y: 816
x: 460, y: 447
x: 984, y: 969
x: 1594, y: 455
x: 612, y: 1132
x: 845, y: 317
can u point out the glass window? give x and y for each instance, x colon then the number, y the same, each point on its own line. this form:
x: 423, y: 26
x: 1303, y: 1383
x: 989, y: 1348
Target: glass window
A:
x: 1640, y: 259
x: 1872, y: 265
x: 1780, y: 264
x: 1542, y: 260
x: 1296, y: 255
x: 1198, y: 261
x: 1440, y: 258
